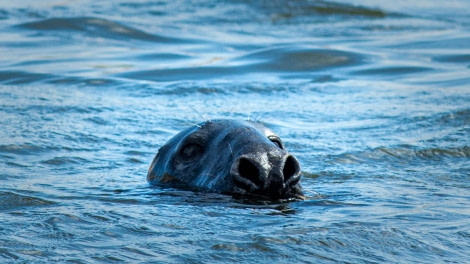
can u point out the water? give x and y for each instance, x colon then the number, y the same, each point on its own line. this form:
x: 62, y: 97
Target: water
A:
x: 373, y: 98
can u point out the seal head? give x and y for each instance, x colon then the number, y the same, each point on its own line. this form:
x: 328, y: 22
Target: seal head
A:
x: 228, y: 156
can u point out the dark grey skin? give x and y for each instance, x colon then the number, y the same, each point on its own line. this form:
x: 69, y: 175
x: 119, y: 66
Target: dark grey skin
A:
x: 232, y: 157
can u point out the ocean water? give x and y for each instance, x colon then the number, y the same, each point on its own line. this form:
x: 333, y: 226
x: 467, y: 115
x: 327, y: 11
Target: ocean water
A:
x: 373, y: 98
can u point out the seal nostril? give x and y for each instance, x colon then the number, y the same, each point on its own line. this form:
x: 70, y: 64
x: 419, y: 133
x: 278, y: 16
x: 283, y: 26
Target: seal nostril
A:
x: 291, y: 168
x: 248, y: 170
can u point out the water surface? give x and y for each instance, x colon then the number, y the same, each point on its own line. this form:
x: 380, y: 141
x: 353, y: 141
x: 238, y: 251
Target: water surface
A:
x: 373, y: 98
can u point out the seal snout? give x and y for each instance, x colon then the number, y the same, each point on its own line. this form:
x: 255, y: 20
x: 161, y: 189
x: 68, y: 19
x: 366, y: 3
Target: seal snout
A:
x: 259, y: 175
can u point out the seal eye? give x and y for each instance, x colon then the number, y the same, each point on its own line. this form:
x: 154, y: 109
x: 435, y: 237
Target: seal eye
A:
x: 277, y: 141
x: 190, y: 150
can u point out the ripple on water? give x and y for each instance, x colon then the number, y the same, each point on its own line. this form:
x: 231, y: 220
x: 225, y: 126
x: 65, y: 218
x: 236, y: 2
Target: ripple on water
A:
x: 457, y: 58
x: 61, y: 161
x: 24, y: 77
x: 280, y: 60
x: 10, y: 200
x: 26, y: 149
x: 283, y: 12
x: 402, y: 154
x: 297, y: 58
x: 21, y: 77
x: 95, y: 27
x: 393, y: 71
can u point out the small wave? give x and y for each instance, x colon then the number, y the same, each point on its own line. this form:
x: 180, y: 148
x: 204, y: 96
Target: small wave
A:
x: 98, y: 121
x: 328, y: 8
x: 10, y: 200
x: 135, y: 153
x: 426, y: 154
x: 163, y: 57
x: 33, y: 149
x: 454, y: 44
x: 449, y: 126
x: 139, y: 230
x: 3, y: 14
x: 459, y: 58
x: 294, y: 59
x: 54, y: 109
x: 284, y: 60
x: 97, y: 27
x: 24, y: 149
x: 64, y: 80
x: 288, y: 11
x: 135, y: 160
x: 403, y: 154
x: 59, y: 161
x: 23, y: 77
x: 393, y: 71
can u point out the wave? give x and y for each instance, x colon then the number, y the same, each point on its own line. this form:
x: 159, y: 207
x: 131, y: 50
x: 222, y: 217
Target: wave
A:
x: 21, y: 77
x: 24, y: 77
x: 25, y: 149
x: 60, y: 161
x: 15, y: 201
x: 285, y: 60
x: 96, y: 27
x: 403, y: 154
x: 295, y: 58
x: 300, y: 11
x: 393, y: 71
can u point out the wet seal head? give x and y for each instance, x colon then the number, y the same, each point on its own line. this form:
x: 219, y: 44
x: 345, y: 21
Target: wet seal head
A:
x: 232, y: 157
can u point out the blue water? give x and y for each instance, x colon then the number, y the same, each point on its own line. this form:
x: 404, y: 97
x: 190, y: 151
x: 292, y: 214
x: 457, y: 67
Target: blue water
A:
x: 373, y: 98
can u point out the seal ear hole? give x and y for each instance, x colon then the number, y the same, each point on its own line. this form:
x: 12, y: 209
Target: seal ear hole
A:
x: 191, y: 150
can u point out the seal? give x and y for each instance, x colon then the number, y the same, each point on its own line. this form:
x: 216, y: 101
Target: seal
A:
x: 231, y: 157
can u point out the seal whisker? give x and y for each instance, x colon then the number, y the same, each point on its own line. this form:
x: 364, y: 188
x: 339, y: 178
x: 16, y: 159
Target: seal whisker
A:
x: 249, y: 111
x: 259, y: 116
x: 200, y: 115
x: 192, y: 123
x: 230, y: 147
